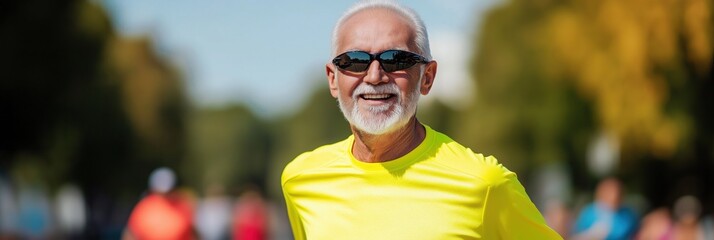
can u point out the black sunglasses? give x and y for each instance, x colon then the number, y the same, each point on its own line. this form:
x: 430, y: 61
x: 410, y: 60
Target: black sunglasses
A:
x: 390, y: 60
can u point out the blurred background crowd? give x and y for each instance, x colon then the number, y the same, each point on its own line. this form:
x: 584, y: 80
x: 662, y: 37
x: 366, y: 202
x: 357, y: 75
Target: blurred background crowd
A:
x: 604, y: 108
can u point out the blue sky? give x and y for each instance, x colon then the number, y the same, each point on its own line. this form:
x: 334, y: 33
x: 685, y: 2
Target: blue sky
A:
x: 228, y: 48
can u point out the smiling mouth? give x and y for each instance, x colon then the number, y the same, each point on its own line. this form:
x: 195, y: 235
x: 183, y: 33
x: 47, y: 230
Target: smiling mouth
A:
x: 383, y: 96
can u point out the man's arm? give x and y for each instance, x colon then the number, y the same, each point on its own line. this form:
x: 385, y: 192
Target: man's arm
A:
x: 294, y: 217
x: 510, y: 214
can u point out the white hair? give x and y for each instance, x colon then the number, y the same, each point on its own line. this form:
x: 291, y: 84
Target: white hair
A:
x: 421, y: 39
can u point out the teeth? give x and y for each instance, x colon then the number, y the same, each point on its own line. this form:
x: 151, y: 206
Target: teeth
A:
x: 375, y: 96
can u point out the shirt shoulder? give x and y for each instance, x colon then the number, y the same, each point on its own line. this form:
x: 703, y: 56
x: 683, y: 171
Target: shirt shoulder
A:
x: 315, y: 159
x: 462, y: 159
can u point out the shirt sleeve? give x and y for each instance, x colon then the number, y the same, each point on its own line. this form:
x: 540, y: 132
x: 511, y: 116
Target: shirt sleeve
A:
x: 510, y: 214
x: 295, y: 221
x: 585, y: 219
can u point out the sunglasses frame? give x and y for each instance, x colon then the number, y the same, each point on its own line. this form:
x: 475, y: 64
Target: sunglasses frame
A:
x: 413, y: 56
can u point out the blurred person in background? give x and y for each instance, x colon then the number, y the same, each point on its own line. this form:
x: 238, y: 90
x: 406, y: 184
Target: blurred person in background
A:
x: 394, y: 177
x: 687, y: 210
x: 558, y: 217
x: 8, y: 209
x: 213, y: 214
x: 163, y: 213
x: 71, y: 211
x: 656, y: 225
x: 34, y: 215
x: 707, y: 224
x: 250, y: 216
x: 683, y: 224
x: 606, y: 217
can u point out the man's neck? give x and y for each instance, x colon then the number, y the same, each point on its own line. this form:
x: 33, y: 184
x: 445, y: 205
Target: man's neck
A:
x: 382, y: 148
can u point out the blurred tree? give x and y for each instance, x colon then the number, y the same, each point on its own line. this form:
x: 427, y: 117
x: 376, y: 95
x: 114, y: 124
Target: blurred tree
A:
x: 553, y: 74
x: 152, y: 95
x: 518, y: 115
x: 630, y: 58
x: 437, y: 115
x: 228, y: 146
x: 87, y: 105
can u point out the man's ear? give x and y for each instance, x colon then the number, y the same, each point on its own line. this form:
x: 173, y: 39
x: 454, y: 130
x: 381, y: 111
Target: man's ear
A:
x: 331, y: 79
x: 428, y: 78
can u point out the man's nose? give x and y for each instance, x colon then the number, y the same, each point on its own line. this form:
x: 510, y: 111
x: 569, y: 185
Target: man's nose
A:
x: 375, y: 74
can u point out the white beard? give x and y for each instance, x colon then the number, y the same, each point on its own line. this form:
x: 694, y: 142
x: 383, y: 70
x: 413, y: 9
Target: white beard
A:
x: 380, y: 119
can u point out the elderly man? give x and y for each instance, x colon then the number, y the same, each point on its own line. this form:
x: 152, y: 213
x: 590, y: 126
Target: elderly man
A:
x: 396, y: 178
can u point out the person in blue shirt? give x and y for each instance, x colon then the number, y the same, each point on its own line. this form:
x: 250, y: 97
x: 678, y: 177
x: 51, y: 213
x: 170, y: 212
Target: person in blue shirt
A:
x: 606, y: 217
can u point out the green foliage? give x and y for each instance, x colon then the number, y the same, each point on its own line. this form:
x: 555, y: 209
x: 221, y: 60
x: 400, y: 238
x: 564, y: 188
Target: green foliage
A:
x: 231, y: 147
x: 70, y: 106
x: 552, y: 74
x: 228, y: 146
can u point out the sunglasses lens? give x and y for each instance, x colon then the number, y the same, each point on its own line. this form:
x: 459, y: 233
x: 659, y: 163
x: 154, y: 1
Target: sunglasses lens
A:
x: 395, y: 60
x: 353, y: 61
x: 391, y: 60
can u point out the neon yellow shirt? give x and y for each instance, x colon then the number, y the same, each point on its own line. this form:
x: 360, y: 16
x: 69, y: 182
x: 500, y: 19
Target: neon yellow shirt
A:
x: 440, y: 190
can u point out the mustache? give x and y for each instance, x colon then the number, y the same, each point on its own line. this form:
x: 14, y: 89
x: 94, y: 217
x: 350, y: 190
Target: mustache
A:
x: 389, y: 88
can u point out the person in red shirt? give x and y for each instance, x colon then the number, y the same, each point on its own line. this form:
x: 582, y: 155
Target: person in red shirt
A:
x: 162, y: 214
x: 250, y: 221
